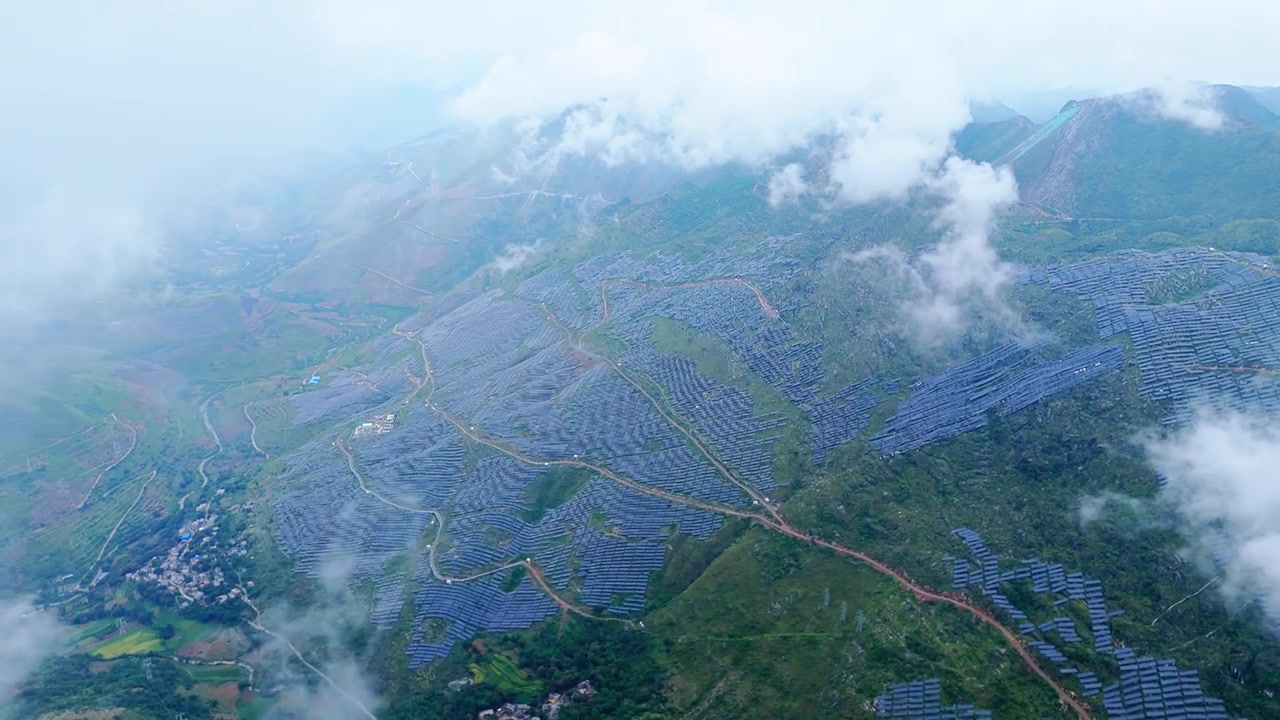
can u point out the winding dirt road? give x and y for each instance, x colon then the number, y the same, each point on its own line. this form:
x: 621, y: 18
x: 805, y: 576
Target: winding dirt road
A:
x: 204, y: 415
x: 779, y: 525
x: 111, y: 536
x: 423, y: 230
x: 133, y: 443
x: 253, y: 433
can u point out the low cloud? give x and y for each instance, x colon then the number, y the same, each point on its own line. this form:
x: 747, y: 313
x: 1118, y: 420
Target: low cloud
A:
x: 1096, y: 507
x: 513, y: 257
x: 116, y: 112
x: 961, y: 280
x: 1223, y: 481
x: 29, y: 637
x: 787, y: 185
x: 1190, y: 103
x: 323, y: 632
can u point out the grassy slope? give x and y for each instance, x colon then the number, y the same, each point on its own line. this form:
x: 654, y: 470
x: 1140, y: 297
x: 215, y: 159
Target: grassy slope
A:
x: 774, y: 629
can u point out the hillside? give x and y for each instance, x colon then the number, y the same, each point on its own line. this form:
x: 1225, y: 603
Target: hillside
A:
x: 1107, y: 158
x: 681, y: 447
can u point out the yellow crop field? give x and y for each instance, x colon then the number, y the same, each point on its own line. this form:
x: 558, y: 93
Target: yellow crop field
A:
x: 134, y: 642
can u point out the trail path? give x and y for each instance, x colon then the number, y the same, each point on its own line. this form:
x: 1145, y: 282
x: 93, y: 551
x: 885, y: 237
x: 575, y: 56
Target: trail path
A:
x: 423, y: 230
x: 42, y: 448
x: 111, y: 536
x: 663, y: 409
x: 133, y: 442
x: 204, y: 415
x: 253, y: 433
x: 385, y: 276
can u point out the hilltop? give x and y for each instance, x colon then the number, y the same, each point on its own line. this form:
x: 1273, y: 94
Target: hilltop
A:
x: 1113, y: 158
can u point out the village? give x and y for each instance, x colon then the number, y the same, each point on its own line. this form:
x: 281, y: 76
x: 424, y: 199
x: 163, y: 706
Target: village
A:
x: 550, y: 709
x: 186, y: 569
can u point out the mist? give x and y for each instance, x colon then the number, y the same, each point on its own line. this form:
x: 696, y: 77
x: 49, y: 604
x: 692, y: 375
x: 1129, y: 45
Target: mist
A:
x: 30, y: 635
x: 117, y: 118
x: 346, y: 690
x: 1223, y: 481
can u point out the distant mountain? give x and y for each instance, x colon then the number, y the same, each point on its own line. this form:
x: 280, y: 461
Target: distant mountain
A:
x: 1042, y: 105
x: 1268, y: 97
x: 1113, y: 158
x: 991, y: 111
x: 991, y: 140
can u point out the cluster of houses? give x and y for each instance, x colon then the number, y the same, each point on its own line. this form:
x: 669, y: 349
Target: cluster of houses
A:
x: 181, y: 571
x: 550, y: 709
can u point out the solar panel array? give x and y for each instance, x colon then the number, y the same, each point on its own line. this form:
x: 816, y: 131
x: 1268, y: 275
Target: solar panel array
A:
x: 1186, y: 350
x: 1151, y: 688
x: 615, y: 567
x: 843, y: 416
x: 419, y: 465
x: 722, y: 414
x: 1004, y: 381
x: 1148, y: 689
x: 472, y: 607
x: 329, y: 522
x: 500, y: 362
x: 922, y: 700
x: 560, y: 294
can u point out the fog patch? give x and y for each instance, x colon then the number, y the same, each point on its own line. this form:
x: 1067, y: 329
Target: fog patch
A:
x: 30, y: 635
x: 325, y: 633
x: 787, y: 185
x: 1223, y: 480
x: 513, y: 257
x: 1190, y: 103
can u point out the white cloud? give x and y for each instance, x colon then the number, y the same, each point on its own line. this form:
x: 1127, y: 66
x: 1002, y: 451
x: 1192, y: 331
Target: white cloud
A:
x: 348, y: 691
x: 513, y: 257
x: 1094, y: 507
x: 787, y: 185
x: 30, y: 635
x: 961, y: 278
x: 1223, y: 476
x: 1193, y: 104
x: 122, y: 112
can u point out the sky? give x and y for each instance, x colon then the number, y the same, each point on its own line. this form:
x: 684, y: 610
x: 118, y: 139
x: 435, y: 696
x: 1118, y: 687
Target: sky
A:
x: 118, y: 115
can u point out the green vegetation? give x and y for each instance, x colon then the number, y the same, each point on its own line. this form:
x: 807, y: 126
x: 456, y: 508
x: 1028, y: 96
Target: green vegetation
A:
x: 552, y: 488
x: 618, y: 661
x: 774, y: 629
x: 139, y: 641
x: 214, y: 674
x: 513, y: 579
x: 688, y: 559
x: 74, y: 682
x: 501, y: 672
